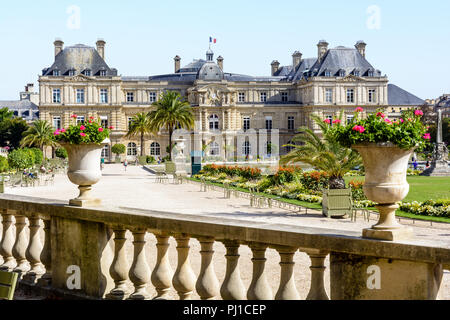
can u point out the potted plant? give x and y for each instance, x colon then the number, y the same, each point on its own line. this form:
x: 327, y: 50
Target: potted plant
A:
x: 84, y: 144
x: 386, y: 146
x: 118, y: 149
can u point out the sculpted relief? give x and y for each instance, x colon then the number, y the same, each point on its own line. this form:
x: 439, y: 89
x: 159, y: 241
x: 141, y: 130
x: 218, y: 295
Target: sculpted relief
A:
x: 212, y: 96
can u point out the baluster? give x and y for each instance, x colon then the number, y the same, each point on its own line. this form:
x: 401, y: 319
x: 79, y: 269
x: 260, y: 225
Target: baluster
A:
x: 162, y: 274
x: 139, y: 271
x: 287, y: 289
x: 184, y: 278
x: 20, y: 246
x: 317, y: 290
x: 232, y: 287
x: 259, y: 288
x: 7, y: 242
x: 46, y: 256
x: 207, y: 285
x: 119, y: 267
x: 34, y: 251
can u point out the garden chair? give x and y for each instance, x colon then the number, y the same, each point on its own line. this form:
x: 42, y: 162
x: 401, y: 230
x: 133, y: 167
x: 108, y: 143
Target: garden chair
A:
x: 226, y: 191
x: 8, y: 281
x: 364, y: 212
x: 203, y: 184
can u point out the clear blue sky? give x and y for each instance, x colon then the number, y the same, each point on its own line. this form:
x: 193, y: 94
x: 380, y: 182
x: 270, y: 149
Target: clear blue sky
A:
x: 410, y: 43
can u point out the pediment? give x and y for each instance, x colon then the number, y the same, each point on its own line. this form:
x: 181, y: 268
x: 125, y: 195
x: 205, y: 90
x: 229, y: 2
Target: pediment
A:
x: 79, y: 78
x: 352, y: 78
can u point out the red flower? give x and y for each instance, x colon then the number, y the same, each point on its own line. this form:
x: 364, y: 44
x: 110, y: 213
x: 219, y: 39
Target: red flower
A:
x: 360, y: 129
x: 111, y: 128
x: 74, y: 116
x: 100, y: 129
x: 418, y: 113
x: 381, y: 114
x: 327, y: 121
x: 82, y: 134
x: 336, y: 121
x: 82, y: 128
x: 359, y: 109
x: 427, y: 136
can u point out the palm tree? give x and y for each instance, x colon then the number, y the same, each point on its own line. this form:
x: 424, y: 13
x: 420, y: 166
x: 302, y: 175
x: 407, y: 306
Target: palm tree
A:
x: 171, y: 112
x: 5, y: 113
x: 39, y: 134
x: 324, y: 154
x: 140, y: 125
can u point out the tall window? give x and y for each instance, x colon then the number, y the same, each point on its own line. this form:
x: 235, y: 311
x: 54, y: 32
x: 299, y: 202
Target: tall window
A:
x: 131, y: 149
x: 56, y: 95
x: 130, y: 122
x: 263, y: 96
x: 103, y: 95
x: 105, y: 151
x: 214, y: 122
x: 152, y: 97
x: 57, y: 123
x: 350, y: 118
x: 291, y: 123
x: 130, y: 96
x: 246, y: 123
x: 329, y: 117
x: 214, y: 149
x: 329, y: 95
x: 155, y: 149
x: 284, y: 97
x: 80, y: 119
x: 350, y: 95
x: 268, y: 123
x: 241, y: 97
x: 372, y: 97
x: 104, y: 121
x: 246, y: 148
x: 80, y: 95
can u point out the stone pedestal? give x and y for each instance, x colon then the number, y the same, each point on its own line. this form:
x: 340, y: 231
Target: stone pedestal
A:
x: 439, y: 168
x: 355, y: 277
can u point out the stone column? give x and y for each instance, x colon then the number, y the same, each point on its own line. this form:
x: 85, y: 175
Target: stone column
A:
x: 7, y: 242
x: 259, y: 288
x: 162, y: 274
x: 184, y: 277
x: 287, y: 289
x: 232, y: 287
x: 207, y: 285
x: 46, y: 257
x: 139, y: 271
x: 20, y: 246
x: 119, y: 267
x: 34, y: 250
x: 317, y: 290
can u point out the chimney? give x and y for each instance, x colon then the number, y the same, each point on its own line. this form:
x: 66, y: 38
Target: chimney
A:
x: 275, y: 66
x: 29, y: 87
x: 59, y: 45
x: 101, y: 48
x: 361, y: 46
x: 296, y: 59
x: 322, y: 49
x: 177, y: 60
x: 220, y: 62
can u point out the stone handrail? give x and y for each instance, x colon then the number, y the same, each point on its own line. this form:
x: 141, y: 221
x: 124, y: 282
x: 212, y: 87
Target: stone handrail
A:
x: 94, y: 240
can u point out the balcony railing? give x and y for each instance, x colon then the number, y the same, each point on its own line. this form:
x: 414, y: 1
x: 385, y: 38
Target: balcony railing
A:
x: 86, y: 252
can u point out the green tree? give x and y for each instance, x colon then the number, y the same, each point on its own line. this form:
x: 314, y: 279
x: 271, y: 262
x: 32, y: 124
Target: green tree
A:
x: 21, y: 159
x: 4, y: 166
x: 11, y: 132
x: 61, y: 153
x: 38, y: 155
x: 140, y: 125
x: 170, y: 112
x: 40, y: 134
x: 5, y: 114
x: 118, y: 149
x: 324, y: 153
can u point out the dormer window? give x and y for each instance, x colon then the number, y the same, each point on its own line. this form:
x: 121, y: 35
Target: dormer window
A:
x: 341, y: 73
x: 102, y: 73
x: 370, y: 73
x: 71, y: 72
x: 87, y: 73
x: 327, y: 73
x: 56, y: 73
x: 356, y: 73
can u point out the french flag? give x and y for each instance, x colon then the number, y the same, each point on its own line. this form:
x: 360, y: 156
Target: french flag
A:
x: 212, y: 40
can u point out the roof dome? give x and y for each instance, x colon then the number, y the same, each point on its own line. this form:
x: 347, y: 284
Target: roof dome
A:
x: 210, y: 71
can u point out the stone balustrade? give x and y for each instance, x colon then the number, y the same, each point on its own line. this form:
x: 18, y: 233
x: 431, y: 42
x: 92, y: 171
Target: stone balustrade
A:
x: 86, y: 252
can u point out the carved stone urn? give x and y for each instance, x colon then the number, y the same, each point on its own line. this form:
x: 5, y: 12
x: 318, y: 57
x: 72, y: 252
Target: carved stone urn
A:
x: 386, y: 166
x: 84, y: 170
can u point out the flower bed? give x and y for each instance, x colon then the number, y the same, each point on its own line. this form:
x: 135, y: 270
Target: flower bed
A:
x: 438, y: 208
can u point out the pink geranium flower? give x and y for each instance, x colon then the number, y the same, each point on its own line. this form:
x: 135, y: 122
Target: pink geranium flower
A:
x: 427, y: 136
x: 359, y: 109
x: 381, y: 114
x: 388, y: 121
x: 74, y: 116
x: 401, y: 120
x: 92, y: 118
x: 359, y: 129
x: 56, y: 133
x: 327, y: 121
x: 82, y: 128
x: 111, y: 128
x: 100, y: 129
x: 83, y: 134
x: 418, y: 113
x: 336, y: 121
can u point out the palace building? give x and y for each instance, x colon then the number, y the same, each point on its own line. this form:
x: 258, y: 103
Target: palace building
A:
x: 81, y: 82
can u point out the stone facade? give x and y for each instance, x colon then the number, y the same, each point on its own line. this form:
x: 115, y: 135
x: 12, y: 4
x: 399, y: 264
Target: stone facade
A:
x: 81, y: 82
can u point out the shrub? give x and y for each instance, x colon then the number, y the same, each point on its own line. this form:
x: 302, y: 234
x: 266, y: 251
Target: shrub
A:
x: 4, y: 166
x: 286, y: 175
x: 151, y: 159
x: 357, y: 190
x: 21, y: 159
x: 118, y: 149
x: 315, y: 180
x: 61, y: 153
x: 38, y: 155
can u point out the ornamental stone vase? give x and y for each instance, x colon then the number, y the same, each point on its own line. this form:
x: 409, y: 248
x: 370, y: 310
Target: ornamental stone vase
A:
x: 386, y: 166
x: 84, y: 170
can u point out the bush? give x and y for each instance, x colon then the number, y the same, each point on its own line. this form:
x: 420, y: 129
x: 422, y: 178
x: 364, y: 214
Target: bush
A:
x: 286, y: 175
x: 61, y: 153
x: 38, y: 155
x: 357, y: 190
x: 4, y: 166
x: 118, y: 149
x: 21, y: 159
x: 151, y: 159
x: 315, y: 180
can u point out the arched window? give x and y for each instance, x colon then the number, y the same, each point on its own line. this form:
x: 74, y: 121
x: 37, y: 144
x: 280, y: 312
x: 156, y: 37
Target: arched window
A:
x: 214, y: 149
x: 246, y: 148
x: 131, y: 149
x: 155, y: 149
x: 214, y: 122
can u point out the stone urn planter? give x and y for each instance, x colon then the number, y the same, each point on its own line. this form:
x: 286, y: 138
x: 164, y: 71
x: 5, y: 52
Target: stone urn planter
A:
x: 386, y: 166
x: 84, y: 170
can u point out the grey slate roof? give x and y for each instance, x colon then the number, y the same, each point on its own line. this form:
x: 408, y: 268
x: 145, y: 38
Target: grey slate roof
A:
x: 80, y: 58
x: 399, y: 97
x: 22, y: 108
